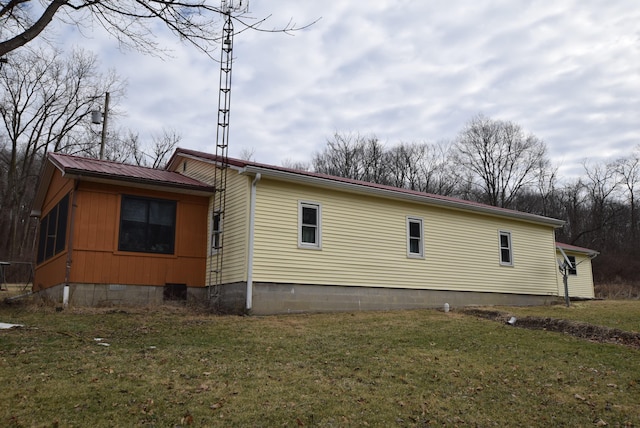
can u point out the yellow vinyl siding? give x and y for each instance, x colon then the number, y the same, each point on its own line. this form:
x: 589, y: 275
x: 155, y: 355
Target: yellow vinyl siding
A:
x: 236, y: 219
x: 581, y: 284
x: 364, y: 243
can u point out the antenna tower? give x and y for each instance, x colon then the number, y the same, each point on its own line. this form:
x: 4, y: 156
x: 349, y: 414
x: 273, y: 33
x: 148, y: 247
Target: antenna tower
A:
x: 227, y: 8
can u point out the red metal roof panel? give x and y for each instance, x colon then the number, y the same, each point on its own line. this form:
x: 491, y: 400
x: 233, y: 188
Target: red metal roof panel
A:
x: 114, y: 170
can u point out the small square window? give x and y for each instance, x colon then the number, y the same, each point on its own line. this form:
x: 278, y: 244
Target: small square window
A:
x: 415, y: 242
x: 309, y: 225
x: 506, y: 252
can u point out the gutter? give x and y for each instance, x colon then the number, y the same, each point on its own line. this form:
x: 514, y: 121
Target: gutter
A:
x: 252, y: 221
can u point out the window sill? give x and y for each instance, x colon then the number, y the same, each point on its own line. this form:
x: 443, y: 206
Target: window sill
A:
x: 143, y: 254
x: 415, y: 256
x: 309, y: 247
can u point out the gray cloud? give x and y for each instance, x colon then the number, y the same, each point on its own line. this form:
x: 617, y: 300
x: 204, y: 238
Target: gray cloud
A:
x: 568, y: 72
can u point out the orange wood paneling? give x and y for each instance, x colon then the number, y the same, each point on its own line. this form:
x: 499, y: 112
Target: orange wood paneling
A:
x: 52, y: 271
x: 96, y: 259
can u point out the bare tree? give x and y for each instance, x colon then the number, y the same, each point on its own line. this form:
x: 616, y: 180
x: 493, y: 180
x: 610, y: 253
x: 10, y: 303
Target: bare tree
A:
x: 131, y: 22
x: 627, y: 170
x: 297, y: 165
x: 501, y: 156
x: 248, y: 153
x: 342, y: 156
x: 163, y: 146
x: 574, y: 201
x: 402, y: 163
x: 600, y: 185
x: 43, y: 99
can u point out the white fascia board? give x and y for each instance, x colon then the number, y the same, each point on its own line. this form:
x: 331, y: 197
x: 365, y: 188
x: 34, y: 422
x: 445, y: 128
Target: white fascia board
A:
x: 398, y: 195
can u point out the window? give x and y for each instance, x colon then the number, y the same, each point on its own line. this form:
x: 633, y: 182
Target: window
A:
x: 506, y: 252
x: 309, y: 229
x: 573, y: 269
x: 147, y: 225
x: 53, y: 231
x: 415, y: 247
x: 216, y: 238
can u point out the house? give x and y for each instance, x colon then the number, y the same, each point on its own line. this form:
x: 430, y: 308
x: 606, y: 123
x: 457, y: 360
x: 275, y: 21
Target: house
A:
x: 579, y: 273
x: 118, y: 234
x: 289, y: 241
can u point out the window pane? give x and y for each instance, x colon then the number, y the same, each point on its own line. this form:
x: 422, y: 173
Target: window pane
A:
x: 308, y: 234
x: 161, y: 213
x: 310, y: 216
x: 414, y: 229
x: 160, y: 239
x: 504, y: 241
x: 132, y: 236
x: 506, y: 255
x: 134, y: 209
x: 414, y: 246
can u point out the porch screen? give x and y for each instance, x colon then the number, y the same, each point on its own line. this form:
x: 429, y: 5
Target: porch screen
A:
x: 53, y: 231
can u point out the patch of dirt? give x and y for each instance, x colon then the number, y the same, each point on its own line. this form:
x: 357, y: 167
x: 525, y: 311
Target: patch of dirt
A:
x: 578, y: 329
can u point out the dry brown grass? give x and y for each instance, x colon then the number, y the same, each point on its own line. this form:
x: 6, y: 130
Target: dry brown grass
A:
x: 618, y: 291
x: 173, y: 367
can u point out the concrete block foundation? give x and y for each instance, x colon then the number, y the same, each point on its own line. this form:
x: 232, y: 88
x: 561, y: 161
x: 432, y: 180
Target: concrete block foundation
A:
x: 275, y: 298
x: 101, y: 295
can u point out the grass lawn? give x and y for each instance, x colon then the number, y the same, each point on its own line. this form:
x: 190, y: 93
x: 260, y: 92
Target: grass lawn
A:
x: 170, y: 367
x: 621, y: 314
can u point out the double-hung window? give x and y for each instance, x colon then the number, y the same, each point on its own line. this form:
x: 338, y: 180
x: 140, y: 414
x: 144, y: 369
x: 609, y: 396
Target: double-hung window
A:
x: 415, y: 238
x: 309, y: 225
x: 573, y: 269
x: 216, y: 238
x: 147, y: 225
x: 506, y: 250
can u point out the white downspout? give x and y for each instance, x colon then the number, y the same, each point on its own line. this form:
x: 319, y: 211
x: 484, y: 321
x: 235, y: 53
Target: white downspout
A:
x: 252, y: 220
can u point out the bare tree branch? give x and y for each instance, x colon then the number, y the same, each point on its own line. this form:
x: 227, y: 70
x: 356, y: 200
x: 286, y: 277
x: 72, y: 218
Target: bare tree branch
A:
x: 131, y: 22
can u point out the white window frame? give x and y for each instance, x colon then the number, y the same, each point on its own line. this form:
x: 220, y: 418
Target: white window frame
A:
x: 216, y: 234
x: 420, y: 253
x: 318, y: 207
x: 506, y: 233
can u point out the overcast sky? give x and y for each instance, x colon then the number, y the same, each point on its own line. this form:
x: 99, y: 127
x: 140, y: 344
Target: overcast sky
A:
x: 405, y: 71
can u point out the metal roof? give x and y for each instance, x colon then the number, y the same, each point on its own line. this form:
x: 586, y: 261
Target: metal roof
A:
x: 95, y: 170
x: 74, y: 165
x: 348, y: 184
x: 576, y: 249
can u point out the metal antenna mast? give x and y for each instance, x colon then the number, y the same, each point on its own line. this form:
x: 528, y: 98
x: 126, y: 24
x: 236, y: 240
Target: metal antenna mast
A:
x: 222, y: 145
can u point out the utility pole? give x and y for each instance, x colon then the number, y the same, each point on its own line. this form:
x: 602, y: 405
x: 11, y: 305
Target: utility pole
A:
x: 103, y: 137
x: 98, y: 117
